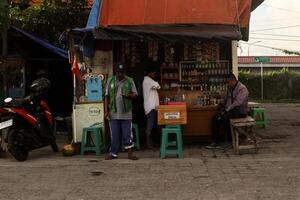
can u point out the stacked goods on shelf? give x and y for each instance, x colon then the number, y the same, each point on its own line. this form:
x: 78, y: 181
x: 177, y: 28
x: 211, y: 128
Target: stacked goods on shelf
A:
x: 202, y: 51
x: 169, y: 76
x: 153, y: 50
x: 129, y: 53
x: 204, y: 76
x: 169, y: 53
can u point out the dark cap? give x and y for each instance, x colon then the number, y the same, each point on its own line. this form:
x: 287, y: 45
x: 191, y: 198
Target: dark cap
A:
x: 120, y: 67
x: 42, y: 73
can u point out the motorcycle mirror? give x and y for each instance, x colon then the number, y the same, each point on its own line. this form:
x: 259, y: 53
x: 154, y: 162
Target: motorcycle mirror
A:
x: 8, y: 100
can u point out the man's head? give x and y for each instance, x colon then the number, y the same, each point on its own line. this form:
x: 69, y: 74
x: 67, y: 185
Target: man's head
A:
x: 231, y: 80
x: 42, y: 74
x: 120, y: 71
x: 151, y: 72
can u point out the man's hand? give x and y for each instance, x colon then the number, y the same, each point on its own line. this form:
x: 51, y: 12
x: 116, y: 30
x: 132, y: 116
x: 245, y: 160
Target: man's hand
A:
x: 129, y: 95
x: 106, y: 115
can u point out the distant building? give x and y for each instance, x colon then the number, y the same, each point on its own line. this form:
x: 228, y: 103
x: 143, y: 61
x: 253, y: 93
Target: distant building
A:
x: 248, y: 63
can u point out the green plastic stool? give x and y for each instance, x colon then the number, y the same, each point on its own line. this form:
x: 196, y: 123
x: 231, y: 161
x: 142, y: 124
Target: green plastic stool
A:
x: 259, y: 115
x: 174, y: 126
x: 173, y: 143
x: 135, y: 128
x: 87, y: 140
x: 167, y: 147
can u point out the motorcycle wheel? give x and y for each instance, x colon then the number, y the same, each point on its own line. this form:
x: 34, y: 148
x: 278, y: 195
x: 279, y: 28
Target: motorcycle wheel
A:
x: 54, y: 147
x: 19, y: 152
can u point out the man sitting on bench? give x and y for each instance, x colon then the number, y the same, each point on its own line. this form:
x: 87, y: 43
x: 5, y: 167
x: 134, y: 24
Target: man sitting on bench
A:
x: 235, y: 105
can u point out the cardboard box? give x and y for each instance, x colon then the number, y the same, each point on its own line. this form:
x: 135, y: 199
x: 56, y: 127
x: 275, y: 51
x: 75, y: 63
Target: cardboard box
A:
x: 171, y: 114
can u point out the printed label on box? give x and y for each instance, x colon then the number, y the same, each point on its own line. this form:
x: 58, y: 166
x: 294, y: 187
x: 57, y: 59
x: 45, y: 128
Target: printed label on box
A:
x: 172, y: 115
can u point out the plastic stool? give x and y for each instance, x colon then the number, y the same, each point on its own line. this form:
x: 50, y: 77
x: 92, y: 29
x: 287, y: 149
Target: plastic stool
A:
x: 173, y: 143
x: 135, y: 128
x: 174, y: 126
x: 259, y: 115
x: 87, y: 140
x: 166, y: 144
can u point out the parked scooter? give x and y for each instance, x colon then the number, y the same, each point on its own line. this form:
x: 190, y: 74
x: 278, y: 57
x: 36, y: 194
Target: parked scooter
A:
x: 29, y: 123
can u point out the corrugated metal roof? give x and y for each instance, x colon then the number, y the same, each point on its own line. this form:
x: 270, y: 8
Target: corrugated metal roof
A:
x: 273, y: 59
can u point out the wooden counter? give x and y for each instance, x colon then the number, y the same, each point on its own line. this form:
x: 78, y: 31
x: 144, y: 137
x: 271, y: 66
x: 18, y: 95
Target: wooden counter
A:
x: 199, y: 120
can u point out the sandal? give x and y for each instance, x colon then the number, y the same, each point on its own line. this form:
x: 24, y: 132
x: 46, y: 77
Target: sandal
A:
x: 110, y: 157
x: 132, y: 158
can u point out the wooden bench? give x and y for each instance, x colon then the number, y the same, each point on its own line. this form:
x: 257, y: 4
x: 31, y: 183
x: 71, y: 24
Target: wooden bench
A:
x: 243, y: 126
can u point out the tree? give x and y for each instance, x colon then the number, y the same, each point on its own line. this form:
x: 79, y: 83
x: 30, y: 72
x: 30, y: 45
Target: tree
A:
x: 4, y: 25
x: 3, y: 13
x: 50, y: 20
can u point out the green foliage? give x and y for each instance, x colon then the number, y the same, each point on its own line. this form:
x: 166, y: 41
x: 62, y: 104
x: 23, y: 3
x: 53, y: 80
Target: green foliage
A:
x: 278, y: 85
x: 48, y: 21
x: 3, y: 14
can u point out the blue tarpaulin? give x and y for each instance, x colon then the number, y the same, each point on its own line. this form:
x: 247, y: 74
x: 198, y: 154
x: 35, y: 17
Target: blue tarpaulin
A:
x: 61, y: 52
x: 93, y: 20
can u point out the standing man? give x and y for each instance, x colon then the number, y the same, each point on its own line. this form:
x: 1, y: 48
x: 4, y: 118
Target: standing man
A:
x: 119, y: 93
x: 151, y: 101
x: 235, y: 106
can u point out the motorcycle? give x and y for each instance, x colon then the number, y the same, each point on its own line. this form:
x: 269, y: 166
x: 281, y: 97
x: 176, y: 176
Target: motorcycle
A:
x: 29, y: 125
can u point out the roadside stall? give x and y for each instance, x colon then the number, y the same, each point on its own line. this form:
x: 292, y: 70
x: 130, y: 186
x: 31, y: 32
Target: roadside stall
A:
x: 191, y: 73
x: 91, y: 66
x: 192, y: 47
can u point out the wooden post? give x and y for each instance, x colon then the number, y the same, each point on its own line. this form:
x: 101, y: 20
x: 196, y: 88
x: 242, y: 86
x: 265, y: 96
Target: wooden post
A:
x: 4, y: 42
x: 4, y: 56
x: 234, y: 58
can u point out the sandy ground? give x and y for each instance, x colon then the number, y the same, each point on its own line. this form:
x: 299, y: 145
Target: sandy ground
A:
x: 273, y: 173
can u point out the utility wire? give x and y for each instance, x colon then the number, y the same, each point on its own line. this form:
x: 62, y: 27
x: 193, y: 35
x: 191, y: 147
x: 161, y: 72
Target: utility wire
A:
x: 268, y: 47
x: 293, y: 36
x: 282, y: 27
x: 282, y: 9
x: 277, y: 39
x: 273, y: 20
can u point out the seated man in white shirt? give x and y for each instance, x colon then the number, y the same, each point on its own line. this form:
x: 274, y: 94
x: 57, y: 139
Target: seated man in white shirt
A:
x: 151, y: 101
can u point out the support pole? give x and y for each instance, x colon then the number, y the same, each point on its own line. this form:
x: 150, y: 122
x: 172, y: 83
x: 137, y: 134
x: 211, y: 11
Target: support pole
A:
x: 262, y: 80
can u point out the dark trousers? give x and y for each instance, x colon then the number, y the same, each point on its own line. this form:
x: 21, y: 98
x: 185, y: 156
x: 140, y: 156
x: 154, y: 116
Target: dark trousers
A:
x: 151, y: 117
x: 219, y: 121
x: 120, y: 130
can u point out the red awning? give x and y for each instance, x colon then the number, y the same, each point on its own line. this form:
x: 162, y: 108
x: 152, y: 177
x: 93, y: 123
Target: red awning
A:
x: 153, y: 12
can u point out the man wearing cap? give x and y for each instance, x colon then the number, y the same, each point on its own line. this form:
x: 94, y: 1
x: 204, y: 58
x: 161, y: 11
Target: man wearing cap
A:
x: 151, y: 101
x: 119, y: 93
x: 235, y: 105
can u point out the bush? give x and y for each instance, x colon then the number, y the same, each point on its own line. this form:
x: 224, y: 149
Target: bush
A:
x: 278, y: 85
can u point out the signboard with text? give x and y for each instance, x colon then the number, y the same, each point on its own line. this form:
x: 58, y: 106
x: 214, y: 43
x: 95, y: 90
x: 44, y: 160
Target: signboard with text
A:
x: 85, y: 115
x: 262, y: 59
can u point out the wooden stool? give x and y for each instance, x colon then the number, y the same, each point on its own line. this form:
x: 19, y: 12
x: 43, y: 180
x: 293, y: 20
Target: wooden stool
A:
x: 243, y: 126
